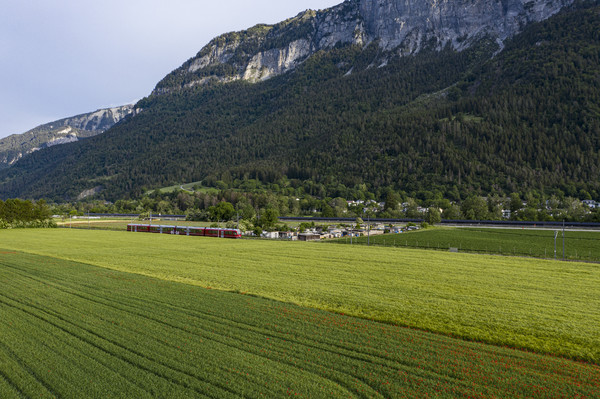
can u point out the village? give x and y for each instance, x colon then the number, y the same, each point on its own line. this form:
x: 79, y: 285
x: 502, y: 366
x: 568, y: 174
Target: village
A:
x: 338, y: 231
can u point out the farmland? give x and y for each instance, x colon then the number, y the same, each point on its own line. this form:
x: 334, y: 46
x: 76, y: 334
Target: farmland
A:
x: 579, y: 245
x: 545, y: 306
x: 74, y: 330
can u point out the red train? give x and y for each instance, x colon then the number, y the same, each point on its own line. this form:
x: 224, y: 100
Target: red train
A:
x: 185, y: 230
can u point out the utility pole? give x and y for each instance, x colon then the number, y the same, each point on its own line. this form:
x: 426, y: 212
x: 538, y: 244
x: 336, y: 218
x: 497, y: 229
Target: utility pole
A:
x: 555, y: 235
x: 365, y: 210
x: 368, y: 227
x: 563, y: 237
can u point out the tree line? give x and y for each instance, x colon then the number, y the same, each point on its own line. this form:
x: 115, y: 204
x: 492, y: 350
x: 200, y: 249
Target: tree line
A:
x: 257, y: 207
x: 17, y: 213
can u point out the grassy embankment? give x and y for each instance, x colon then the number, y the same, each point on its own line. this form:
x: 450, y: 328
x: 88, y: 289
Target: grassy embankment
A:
x: 546, y: 306
x: 74, y: 330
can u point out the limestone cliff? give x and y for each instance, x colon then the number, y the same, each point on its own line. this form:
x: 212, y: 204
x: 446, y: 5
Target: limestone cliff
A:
x: 398, y: 26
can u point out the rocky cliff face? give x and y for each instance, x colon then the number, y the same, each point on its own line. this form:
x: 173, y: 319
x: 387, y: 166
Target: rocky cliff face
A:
x: 398, y: 26
x: 13, y: 148
x: 98, y: 121
x: 410, y: 23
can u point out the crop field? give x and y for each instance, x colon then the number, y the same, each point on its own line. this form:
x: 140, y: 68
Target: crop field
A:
x: 579, y: 245
x: 74, y: 330
x: 545, y: 306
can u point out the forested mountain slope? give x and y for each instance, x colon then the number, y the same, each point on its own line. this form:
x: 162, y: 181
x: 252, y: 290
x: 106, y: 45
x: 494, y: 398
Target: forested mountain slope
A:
x: 484, y: 119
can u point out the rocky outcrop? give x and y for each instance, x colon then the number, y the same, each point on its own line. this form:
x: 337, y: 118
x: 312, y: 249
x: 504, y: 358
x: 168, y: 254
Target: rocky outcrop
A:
x: 98, y: 121
x: 15, y: 147
x: 398, y: 26
x: 410, y: 23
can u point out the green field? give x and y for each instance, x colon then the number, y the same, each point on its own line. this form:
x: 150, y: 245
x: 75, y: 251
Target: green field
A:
x: 187, y: 187
x: 579, y: 245
x: 545, y: 306
x: 73, y: 330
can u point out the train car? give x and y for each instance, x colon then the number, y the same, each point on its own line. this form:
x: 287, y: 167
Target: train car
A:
x: 154, y: 229
x: 196, y: 231
x: 185, y: 230
x: 141, y: 228
x: 222, y: 233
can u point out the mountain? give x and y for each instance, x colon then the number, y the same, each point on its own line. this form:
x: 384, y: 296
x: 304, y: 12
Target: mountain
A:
x: 16, y: 146
x: 431, y: 98
x: 398, y: 27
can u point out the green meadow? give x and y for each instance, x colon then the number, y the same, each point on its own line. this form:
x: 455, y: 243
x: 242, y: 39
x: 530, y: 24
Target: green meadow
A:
x: 72, y: 330
x: 544, y: 306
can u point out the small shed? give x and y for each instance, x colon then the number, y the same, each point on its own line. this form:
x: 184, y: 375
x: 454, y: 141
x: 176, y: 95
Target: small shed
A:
x: 309, y: 237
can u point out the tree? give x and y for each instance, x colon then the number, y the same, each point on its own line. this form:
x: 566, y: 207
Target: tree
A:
x: 359, y: 222
x: 411, y: 209
x: 452, y: 212
x: 327, y: 211
x: 222, y: 211
x: 475, y: 208
x: 392, y: 201
x: 340, y: 206
x: 574, y: 209
x: 515, y: 203
x: 268, y: 219
x: 494, y: 207
x: 247, y: 211
x: 433, y: 216
x: 184, y: 201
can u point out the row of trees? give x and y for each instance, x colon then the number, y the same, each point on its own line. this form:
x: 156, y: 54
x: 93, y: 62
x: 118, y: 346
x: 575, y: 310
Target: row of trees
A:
x: 21, y: 213
x: 260, y: 208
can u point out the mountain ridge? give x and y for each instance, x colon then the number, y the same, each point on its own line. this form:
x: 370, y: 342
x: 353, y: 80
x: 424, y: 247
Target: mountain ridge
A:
x: 399, y: 27
x: 62, y: 131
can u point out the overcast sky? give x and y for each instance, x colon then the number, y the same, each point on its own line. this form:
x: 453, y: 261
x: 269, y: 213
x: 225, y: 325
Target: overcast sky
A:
x: 61, y: 58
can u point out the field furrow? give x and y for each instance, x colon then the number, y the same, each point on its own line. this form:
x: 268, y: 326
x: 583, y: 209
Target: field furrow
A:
x: 74, y: 330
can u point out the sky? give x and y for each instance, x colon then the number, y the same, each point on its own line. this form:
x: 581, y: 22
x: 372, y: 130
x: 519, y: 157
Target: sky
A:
x: 62, y: 58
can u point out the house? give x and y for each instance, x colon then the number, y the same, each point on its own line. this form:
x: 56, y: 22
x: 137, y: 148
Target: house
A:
x: 278, y: 235
x: 286, y: 235
x: 591, y: 204
x: 309, y: 237
x: 273, y: 235
x: 333, y: 233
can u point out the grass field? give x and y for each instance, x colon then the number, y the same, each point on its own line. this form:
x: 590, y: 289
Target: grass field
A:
x: 71, y: 330
x: 546, y: 306
x: 187, y: 187
x: 579, y: 245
